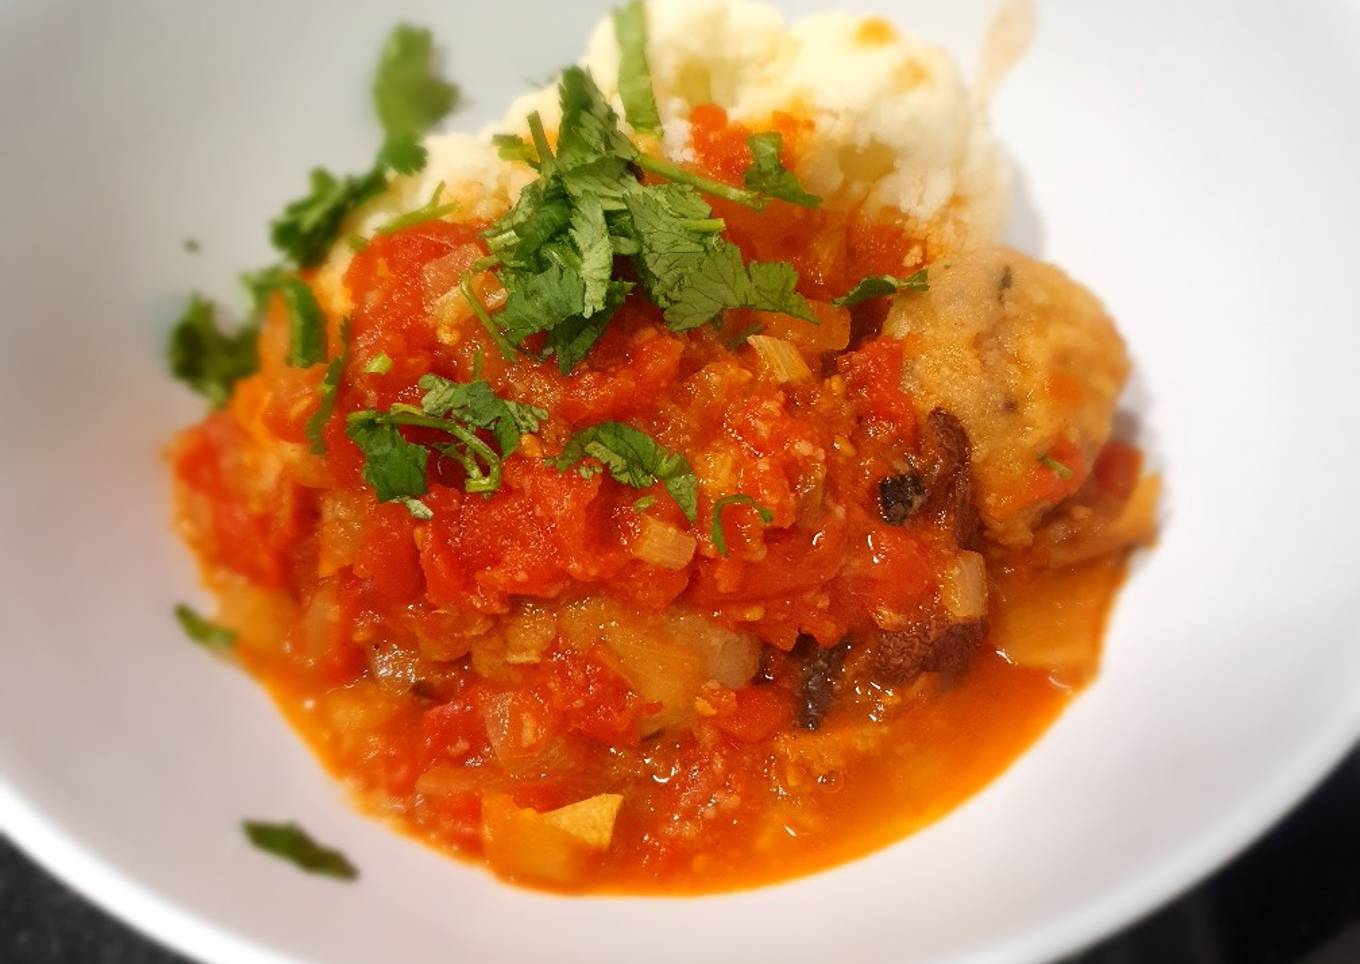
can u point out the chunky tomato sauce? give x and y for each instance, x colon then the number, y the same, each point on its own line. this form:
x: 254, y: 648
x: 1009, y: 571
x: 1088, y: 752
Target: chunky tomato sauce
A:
x: 823, y: 687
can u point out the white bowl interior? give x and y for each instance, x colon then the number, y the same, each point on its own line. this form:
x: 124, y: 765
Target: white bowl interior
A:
x: 1195, y: 166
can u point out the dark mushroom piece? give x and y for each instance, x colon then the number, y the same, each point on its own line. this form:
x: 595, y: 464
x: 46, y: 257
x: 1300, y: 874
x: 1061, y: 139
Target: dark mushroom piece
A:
x: 819, y: 673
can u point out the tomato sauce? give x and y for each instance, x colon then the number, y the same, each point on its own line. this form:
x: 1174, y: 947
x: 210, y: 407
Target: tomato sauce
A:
x: 472, y: 674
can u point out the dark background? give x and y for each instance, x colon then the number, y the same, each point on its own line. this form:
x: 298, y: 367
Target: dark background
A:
x: 1294, y: 898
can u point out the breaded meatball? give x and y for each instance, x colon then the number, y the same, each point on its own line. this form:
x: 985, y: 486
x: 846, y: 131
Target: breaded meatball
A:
x: 1029, y: 363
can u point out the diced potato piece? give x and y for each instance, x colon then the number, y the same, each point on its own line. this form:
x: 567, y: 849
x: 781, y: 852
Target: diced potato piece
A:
x: 522, y: 844
x: 590, y: 820
x: 261, y: 618
x: 1053, y: 618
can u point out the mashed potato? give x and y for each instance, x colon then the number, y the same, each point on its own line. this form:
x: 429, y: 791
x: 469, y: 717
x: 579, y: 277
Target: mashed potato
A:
x: 894, y: 126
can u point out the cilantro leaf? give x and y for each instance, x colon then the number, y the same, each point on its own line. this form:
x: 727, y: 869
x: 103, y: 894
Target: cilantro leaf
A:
x: 694, y: 274
x: 589, y: 128
x: 204, y: 358
x: 205, y: 632
x: 476, y: 404
x: 409, y: 99
x: 880, y: 286
x: 772, y: 289
x: 393, y: 466
x: 608, y: 180
x: 306, y: 323
x: 716, y: 281
x: 290, y: 842
x: 635, y: 77
x: 403, y: 153
x: 541, y: 212
x: 407, y: 95
x: 716, y: 528
x: 308, y: 225
x: 590, y: 234
x: 571, y: 340
x: 512, y: 147
x: 330, y: 387
x: 633, y: 458
x: 669, y: 251
x: 768, y: 175
x: 538, y: 302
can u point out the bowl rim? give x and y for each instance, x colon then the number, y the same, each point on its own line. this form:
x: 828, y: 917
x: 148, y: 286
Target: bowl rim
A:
x: 167, y: 921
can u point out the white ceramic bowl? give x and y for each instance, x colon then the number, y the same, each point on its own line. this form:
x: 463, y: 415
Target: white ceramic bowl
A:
x: 1194, y: 164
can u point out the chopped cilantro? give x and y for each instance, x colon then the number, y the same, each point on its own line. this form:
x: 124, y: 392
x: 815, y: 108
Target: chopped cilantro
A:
x: 635, y: 77
x: 476, y: 404
x: 570, y: 341
x: 1062, y: 471
x: 393, y: 466
x: 203, y: 631
x: 683, y: 175
x: 204, y: 358
x: 290, y: 842
x: 768, y: 175
x: 431, y: 210
x: 589, y: 128
x: 308, y: 225
x: 330, y: 387
x: 306, y: 324
x: 409, y: 99
x: 408, y: 96
x: 633, y: 458
x: 590, y: 236
x: 379, y: 364
x: 694, y: 274
x: 716, y: 530
x: 419, y: 510
x: 540, y: 300
x: 880, y: 286
x: 506, y: 349
x: 558, y: 249
x: 511, y: 147
x: 644, y: 503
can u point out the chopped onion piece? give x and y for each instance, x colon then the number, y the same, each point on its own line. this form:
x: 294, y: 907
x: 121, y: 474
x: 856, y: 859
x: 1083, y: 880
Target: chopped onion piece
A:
x: 963, y: 587
x: 780, y: 358
x: 662, y: 544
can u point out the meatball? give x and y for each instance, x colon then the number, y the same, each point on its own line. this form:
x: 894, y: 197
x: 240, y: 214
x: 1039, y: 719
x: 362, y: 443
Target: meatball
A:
x: 1029, y: 364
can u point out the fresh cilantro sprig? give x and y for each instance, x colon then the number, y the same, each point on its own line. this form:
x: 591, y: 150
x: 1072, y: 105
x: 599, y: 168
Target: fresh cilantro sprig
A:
x: 740, y: 498
x: 768, y: 175
x: 409, y: 99
x: 880, y: 286
x: 476, y: 404
x: 633, y: 458
x: 207, y: 359
x: 396, y: 467
x: 558, y: 250
x: 290, y: 842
